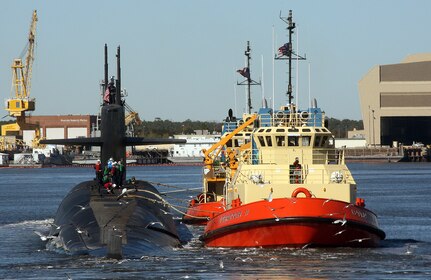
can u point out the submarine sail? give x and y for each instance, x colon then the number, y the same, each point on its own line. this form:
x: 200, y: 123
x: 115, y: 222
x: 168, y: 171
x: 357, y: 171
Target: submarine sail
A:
x: 98, y: 218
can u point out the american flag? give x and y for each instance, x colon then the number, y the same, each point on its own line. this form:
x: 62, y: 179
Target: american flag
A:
x: 106, y: 95
x: 284, y: 50
x: 245, y: 72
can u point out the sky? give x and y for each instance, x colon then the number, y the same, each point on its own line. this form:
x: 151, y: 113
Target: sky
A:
x: 179, y: 58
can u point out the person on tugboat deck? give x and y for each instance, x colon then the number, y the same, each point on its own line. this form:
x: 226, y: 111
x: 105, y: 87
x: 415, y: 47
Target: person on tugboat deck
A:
x: 296, y: 163
x: 296, y: 171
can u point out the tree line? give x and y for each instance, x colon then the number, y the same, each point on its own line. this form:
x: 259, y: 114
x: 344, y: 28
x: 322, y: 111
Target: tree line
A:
x: 165, y: 128
x: 339, y: 128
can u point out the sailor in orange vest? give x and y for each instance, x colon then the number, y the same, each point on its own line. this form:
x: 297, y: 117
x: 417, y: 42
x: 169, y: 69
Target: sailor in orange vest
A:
x: 98, y: 169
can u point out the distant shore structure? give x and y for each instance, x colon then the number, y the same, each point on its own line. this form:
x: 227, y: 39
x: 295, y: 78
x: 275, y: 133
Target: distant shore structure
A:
x: 191, y: 151
x: 61, y: 126
x: 396, y: 102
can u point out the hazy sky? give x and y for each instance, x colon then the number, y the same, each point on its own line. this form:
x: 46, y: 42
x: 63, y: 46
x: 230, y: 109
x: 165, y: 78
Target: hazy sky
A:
x: 179, y: 57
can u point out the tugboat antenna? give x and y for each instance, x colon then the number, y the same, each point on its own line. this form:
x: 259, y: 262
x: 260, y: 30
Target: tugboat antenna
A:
x: 248, y: 81
x: 286, y: 52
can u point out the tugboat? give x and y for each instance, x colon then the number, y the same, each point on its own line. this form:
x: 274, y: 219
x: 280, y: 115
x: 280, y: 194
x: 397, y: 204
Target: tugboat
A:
x: 98, y: 218
x: 235, y: 135
x: 291, y: 187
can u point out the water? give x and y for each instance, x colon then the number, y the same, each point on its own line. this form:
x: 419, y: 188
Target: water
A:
x: 400, y: 193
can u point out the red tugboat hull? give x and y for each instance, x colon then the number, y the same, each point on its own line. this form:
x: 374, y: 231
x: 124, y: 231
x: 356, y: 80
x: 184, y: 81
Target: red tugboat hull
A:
x: 294, y: 222
x: 200, y: 213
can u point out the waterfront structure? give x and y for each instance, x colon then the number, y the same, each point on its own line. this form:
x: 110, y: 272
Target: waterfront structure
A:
x: 191, y: 151
x: 66, y: 126
x: 396, y: 102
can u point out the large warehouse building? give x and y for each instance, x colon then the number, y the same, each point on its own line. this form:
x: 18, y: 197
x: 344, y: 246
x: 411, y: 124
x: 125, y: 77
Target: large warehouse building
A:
x: 61, y: 127
x: 396, y: 102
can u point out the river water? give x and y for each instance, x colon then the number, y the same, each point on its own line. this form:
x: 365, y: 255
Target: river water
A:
x: 400, y: 193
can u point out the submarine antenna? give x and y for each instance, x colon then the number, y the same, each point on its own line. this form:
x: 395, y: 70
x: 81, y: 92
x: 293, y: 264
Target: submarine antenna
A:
x: 286, y: 52
x: 248, y: 81
x: 118, y: 92
x: 106, y: 68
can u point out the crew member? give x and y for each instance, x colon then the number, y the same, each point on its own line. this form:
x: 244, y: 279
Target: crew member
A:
x: 98, y: 169
x: 109, y: 187
x: 110, y: 161
x: 132, y: 181
x: 296, y: 163
x: 296, y: 171
x: 121, y: 173
x: 114, y: 173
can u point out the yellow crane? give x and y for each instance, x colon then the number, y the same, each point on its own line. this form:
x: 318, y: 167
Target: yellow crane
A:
x: 21, y: 80
x: 133, y: 121
x: 214, y: 177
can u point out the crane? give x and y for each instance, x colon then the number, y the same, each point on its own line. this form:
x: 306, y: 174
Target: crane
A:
x: 133, y: 121
x: 21, y: 80
x: 215, y: 149
x: 214, y: 179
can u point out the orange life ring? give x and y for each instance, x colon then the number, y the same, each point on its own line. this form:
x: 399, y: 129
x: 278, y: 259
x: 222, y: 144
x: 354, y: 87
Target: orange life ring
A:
x: 301, y: 190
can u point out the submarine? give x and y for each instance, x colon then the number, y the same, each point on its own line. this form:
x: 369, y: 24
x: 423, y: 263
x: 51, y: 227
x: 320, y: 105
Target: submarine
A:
x: 116, y: 223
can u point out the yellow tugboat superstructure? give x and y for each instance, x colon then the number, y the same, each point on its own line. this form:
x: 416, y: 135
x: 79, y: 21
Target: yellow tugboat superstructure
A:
x: 269, y: 165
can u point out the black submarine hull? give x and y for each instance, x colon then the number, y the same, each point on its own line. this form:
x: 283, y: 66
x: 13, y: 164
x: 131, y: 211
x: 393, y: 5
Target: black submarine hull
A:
x: 91, y: 221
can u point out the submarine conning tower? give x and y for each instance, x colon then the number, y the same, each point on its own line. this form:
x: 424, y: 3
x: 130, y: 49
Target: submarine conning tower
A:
x: 113, y: 131
x: 93, y: 220
x: 115, y: 148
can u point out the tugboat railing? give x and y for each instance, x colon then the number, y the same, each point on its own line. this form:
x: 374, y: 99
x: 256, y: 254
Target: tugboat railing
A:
x: 306, y: 175
x: 286, y: 119
x: 279, y: 156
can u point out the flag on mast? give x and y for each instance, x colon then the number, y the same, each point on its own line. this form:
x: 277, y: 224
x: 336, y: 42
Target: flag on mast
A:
x: 284, y: 50
x: 245, y: 72
x: 106, y: 95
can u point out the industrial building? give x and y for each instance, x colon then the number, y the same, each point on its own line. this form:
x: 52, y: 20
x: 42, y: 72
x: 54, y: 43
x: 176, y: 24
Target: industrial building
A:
x: 61, y: 127
x: 396, y: 102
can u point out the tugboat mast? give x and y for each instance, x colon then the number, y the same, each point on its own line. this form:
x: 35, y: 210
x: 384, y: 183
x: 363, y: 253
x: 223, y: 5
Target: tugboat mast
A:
x: 246, y: 74
x: 286, y: 52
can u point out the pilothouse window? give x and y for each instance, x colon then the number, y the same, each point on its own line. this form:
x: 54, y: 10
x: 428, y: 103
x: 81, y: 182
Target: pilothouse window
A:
x: 269, y: 141
x: 229, y: 143
x: 292, y: 140
x: 324, y: 141
x: 306, y: 140
x: 280, y: 141
x: 317, y: 141
x: 261, y: 141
